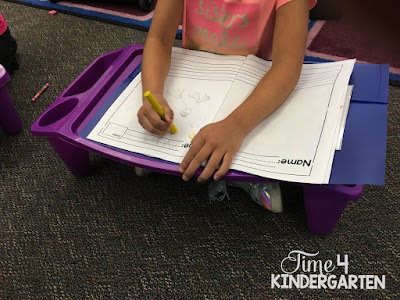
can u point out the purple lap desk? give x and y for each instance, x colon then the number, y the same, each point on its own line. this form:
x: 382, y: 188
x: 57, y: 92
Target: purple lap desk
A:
x: 9, y: 118
x: 361, y: 161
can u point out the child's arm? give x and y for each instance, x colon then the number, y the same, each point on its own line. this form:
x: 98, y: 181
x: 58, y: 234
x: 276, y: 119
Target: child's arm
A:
x: 220, y: 141
x: 156, y: 62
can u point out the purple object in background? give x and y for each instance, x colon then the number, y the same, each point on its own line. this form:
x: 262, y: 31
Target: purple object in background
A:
x: 9, y: 118
x: 74, y: 109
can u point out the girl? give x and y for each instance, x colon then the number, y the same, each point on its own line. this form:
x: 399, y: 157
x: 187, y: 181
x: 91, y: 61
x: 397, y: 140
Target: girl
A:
x: 270, y: 29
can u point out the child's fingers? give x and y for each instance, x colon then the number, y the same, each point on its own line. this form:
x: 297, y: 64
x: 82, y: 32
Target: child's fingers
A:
x: 150, y: 128
x: 197, y: 144
x: 156, y: 120
x: 212, y: 164
x: 196, y: 162
x: 168, y: 113
x: 224, y: 168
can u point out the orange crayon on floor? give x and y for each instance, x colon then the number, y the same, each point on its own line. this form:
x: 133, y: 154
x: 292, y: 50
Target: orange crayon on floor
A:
x: 40, y: 92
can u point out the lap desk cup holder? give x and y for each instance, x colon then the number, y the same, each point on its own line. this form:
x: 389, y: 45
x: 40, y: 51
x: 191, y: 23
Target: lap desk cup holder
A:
x: 66, y: 118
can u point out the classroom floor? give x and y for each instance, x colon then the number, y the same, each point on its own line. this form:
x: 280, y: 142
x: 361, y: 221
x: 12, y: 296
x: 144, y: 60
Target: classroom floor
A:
x: 115, y: 235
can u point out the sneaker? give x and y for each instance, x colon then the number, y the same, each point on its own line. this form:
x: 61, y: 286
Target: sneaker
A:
x: 265, y: 194
x: 217, y: 191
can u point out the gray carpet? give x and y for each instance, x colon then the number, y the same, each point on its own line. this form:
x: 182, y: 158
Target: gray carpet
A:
x: 113, y: 235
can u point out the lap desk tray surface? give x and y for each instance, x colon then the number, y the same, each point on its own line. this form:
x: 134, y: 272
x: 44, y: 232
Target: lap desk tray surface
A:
x: 361, y: 160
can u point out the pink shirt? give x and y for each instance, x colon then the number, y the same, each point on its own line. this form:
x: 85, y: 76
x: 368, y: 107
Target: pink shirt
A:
x: 231, y: 26
x: 3, y: 25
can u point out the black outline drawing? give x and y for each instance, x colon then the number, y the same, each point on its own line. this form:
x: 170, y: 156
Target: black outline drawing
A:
x: 195, y: 97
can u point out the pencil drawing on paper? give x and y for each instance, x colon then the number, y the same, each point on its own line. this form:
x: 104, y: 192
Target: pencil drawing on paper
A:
x: 189, y: 100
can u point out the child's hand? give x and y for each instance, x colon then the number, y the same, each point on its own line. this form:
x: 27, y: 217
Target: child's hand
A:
x: 217, y: 142
x: 151, y: 121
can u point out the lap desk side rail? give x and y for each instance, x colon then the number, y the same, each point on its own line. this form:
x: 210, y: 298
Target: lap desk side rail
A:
x: 361, y: 160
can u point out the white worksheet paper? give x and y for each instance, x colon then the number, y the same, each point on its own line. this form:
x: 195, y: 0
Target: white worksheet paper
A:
x: 195, y: 88
x: 298, y: 140
x: 344, y: 113
x: 295, y: 143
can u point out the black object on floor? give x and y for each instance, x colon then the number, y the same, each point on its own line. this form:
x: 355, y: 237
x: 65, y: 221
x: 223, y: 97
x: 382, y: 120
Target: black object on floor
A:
x: 326, y: 10
x: 8, y: 52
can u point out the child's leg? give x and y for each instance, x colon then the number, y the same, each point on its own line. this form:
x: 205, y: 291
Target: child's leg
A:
x: 8, y: 51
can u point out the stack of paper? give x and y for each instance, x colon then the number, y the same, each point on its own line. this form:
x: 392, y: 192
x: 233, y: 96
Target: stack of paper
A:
x: 295, y: 143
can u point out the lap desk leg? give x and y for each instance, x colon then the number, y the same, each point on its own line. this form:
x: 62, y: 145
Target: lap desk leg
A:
x: 72, y: 111
x: 9, y: 118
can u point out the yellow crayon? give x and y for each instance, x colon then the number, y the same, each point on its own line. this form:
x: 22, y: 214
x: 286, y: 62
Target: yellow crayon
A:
x: 157, y: 107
